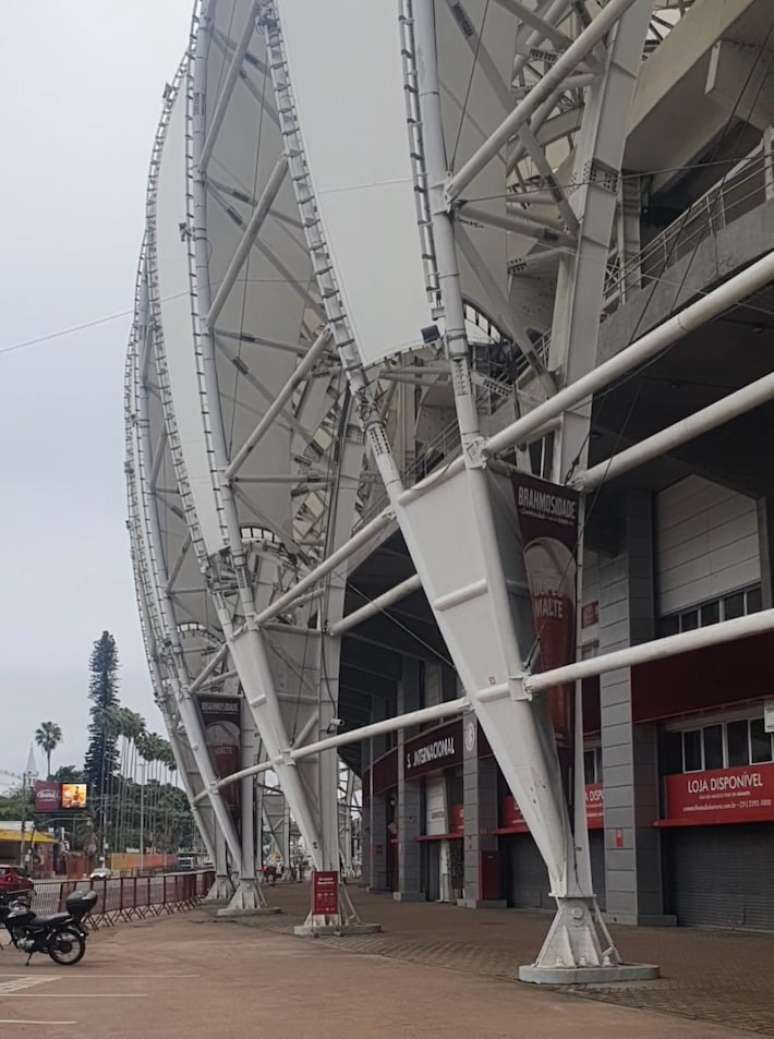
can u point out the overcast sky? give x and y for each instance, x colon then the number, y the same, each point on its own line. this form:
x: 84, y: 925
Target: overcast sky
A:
x: 80, y: 96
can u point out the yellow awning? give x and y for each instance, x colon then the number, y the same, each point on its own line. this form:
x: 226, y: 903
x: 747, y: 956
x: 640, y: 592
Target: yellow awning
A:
x: 36, y: 838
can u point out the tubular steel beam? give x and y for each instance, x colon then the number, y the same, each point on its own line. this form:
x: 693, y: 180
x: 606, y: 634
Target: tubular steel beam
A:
x: 228, y: 85
x: 546, y: 30
x: 724, y: 410
x: 362, y: 537
x: 553, y: 79
x: 541, y: 231
x: 284, y: 395
x: 400, y: 591
x: 400, y: 721
x: 261, y: 211
x: 659, y: 649
x: 731, y: 292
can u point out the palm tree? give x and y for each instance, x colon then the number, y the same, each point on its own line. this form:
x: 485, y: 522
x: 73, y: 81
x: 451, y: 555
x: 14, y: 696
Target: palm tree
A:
x: 48, y: 736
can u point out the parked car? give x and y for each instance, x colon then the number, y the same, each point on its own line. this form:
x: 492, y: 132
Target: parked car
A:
x: 101, y: 873
x: 186, y: 862
x: 15, y: 878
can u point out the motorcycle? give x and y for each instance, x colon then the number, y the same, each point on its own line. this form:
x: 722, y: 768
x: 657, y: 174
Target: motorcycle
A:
x: 61, y: 935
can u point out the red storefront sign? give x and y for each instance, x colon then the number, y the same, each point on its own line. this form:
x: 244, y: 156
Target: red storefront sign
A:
x: 435, y: 749
x: 325, y: 888
x: 727, y: 795
x: 513, y: 821
x: 47, y: 797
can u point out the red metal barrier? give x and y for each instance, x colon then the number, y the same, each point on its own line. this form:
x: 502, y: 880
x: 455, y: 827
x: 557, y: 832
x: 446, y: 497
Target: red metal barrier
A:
x: 124, y: 898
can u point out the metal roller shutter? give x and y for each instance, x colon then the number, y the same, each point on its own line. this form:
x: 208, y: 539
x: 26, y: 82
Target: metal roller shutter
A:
x: 527, y: 879
x: 717, y: 876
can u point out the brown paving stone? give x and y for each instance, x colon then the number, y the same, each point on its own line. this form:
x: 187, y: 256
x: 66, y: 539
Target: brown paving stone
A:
x: 720, y: 977
x: 192, y: 977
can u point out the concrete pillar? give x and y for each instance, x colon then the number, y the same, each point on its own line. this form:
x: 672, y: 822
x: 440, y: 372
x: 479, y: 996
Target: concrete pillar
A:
x: 480, y: 792
x: 409, y: 801
x: 375, y: 815
x: 629, y: 752
x: 766, y: 542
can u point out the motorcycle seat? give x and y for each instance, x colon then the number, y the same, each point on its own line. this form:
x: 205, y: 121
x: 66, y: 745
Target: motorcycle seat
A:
x: 49, y: 919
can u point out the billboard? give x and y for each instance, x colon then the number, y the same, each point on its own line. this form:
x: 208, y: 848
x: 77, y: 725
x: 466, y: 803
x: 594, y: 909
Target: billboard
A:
x: 548, y: 522
x: 222, y: 732
x: 74, y: 795
x: 47, y: 797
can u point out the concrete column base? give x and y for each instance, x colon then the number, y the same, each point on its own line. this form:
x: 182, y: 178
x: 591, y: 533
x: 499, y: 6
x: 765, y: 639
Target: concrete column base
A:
x: 221, y: 891
x: 409, y: 896
x: 535, y: 975
x: 334, y: 930
x: 228, y: 913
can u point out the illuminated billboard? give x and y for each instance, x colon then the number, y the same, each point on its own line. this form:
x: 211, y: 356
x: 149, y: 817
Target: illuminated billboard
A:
x: 73, y: 795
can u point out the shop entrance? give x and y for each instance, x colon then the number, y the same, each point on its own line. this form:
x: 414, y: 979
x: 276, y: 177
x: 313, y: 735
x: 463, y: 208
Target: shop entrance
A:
x: 716, y: 876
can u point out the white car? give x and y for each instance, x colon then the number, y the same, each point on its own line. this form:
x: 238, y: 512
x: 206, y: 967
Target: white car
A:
x: 101, y: 873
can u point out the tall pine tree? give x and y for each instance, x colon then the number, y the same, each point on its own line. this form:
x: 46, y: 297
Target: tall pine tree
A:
x: 102, y: 755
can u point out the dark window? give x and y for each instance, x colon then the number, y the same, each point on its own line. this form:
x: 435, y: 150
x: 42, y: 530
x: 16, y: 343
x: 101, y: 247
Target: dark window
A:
x: 713, y: 746
x: 760, y: 741
x: 754, y: 603
x: 689, y: 620
x: 672, y: 751
x: 710, y: 614
x: 589, y: 766
x: 692, y: 750
x: 670, y: 625
x: 738, y: 749
x: 733, y: 606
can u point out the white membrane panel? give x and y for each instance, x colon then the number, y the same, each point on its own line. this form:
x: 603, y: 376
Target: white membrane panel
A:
x: 177, y: 328
x: 353, y: 120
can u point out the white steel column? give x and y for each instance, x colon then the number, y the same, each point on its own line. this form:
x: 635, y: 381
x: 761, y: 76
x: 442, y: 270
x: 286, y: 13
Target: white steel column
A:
x: 167, y: 636
x: 247, y: 647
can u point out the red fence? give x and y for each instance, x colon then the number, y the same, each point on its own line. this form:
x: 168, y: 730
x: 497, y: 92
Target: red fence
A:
x: 126, y: 898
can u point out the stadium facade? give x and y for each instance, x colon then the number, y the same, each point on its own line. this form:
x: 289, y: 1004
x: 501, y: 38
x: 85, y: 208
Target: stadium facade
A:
x: 447, y: 399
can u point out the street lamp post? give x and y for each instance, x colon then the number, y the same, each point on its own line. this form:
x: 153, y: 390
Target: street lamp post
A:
x: 143, y: 766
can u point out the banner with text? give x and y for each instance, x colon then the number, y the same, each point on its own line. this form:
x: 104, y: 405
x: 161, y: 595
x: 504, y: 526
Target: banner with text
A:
x: 433, y: 750
x: 728, y: 795
x: 548, y: 522
x: 512, y: 821
x: 222, y: 731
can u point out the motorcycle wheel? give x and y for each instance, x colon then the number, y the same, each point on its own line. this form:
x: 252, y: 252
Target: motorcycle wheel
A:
x: 66, y: 947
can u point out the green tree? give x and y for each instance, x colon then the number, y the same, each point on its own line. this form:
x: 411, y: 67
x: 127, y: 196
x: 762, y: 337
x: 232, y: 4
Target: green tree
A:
x: 101, y: 761
x: 68, y: 774
x: 48, y: 736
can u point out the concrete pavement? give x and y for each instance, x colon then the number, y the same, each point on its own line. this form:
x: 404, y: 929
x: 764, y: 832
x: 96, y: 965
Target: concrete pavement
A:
x: 193, y: 976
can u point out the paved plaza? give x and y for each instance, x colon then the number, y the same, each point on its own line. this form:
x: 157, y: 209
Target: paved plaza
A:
x: 435, y: 970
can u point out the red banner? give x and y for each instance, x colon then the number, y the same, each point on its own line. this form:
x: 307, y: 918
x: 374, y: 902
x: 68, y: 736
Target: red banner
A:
x: 325, y: 887
x: 548, y: 522
x: 513, y: 821
x: 221, y: 717
x: 728, y: 795
x: 47, y: 797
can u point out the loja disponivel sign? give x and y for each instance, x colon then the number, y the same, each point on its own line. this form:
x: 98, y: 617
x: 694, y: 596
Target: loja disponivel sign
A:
x: 728, y: 795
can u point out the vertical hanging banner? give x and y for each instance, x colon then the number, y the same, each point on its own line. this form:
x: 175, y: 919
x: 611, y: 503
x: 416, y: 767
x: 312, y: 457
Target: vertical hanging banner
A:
x: 548, y: 522
x: 222, y: 731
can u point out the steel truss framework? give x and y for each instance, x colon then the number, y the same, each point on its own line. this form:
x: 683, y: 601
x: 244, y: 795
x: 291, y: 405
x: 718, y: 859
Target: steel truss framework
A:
x: 247, y: 416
